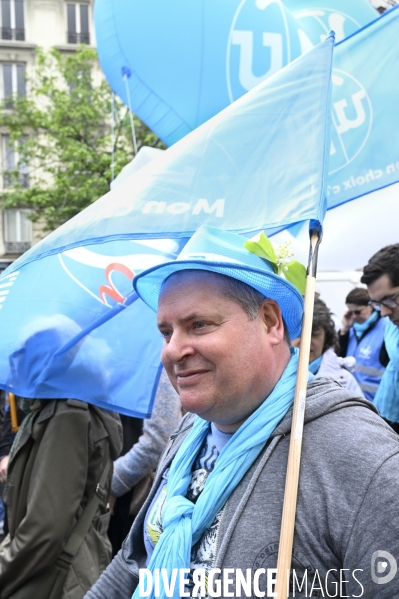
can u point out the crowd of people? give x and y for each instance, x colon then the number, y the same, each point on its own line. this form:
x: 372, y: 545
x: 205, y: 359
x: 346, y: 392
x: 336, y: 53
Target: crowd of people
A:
x: 91, y: 497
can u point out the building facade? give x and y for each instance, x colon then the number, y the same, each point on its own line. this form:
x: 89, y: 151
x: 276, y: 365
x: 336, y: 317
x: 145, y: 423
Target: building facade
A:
x: 25, y: 25
x: 383, y: 5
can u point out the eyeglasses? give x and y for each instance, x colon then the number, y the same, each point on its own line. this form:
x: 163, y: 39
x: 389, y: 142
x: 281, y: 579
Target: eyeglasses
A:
x: 388, y: 302
x: 354, y: 312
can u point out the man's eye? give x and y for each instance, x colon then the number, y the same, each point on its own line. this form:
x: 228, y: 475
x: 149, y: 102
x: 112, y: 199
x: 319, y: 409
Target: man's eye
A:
x: 166, y: 335
x: 199, y: 325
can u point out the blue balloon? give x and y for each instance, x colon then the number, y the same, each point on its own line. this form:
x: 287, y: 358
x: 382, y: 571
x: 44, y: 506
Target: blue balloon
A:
x: 185, y: 61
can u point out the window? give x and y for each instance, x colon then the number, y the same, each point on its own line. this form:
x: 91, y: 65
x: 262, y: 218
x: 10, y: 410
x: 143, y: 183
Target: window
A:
x: 12, y: 20
x: 17, y: 230
x: 3, y: 266
x: 14, y: 81
x: 78, y: 24
x: 11, y: 164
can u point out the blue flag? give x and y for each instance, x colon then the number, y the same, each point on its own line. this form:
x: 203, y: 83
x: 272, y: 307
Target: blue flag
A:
x: 244, y: 170
x: 71, y: 324
x: 72, y: 327
x: 365, y: 116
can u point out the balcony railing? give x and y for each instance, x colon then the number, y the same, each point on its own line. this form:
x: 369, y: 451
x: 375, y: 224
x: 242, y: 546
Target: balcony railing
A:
x: 17, y: 35
x: 78, y: 38
x: 9, y: 179
x: 17, y: 247
x: 9, y: 102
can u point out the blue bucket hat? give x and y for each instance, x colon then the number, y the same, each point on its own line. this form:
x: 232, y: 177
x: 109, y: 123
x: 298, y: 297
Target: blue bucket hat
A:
x: 223, y: 252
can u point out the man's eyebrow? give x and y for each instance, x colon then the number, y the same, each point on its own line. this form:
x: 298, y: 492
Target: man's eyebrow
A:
x: 388, y: 296
x: 193, y: 316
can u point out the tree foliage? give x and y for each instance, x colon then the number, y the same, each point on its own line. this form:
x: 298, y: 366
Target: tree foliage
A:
x: 62, y: 131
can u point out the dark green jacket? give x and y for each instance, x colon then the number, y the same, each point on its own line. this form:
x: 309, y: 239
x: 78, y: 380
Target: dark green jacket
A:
x: 51, y: 477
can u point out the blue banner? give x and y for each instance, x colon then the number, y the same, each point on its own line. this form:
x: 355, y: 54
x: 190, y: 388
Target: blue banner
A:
x: 230, y: 46
x: 316, y: 18
x: 71, y: 326
x: 365, y: 118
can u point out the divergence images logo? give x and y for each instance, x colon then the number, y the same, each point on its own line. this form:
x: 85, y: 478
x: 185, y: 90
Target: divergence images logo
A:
x: 258, y: 46
x: 351, y: 119
x: 383, y: 567
x: 318, y: 22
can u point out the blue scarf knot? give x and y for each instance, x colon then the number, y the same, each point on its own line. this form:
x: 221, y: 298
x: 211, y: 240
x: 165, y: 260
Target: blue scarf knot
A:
x: 359, y: 329
x: 177, y: 507
x: 183, y: 522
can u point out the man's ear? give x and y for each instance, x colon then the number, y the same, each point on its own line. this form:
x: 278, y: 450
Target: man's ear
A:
x: 273, y: 320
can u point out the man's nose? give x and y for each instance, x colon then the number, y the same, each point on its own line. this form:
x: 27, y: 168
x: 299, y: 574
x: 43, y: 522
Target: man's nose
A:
x: 177, y: 348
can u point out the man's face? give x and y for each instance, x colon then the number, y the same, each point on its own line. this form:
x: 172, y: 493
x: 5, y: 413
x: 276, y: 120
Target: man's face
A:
x: 359, y: 313
x: 381, y: 289
x: 222, y: 364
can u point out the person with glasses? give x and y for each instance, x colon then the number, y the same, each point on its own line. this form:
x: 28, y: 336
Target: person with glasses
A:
x: 381, y: 275
x: 362, y: 336
x: 323, y: 361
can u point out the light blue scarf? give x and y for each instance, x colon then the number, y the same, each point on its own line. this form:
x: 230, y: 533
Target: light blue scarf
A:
x: 315, y: 365
x: 184, y: 522
x: 364, y: 326
x: 387, y: 397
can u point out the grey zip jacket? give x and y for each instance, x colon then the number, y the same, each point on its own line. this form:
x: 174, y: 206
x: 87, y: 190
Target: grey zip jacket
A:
x: 346, y: 540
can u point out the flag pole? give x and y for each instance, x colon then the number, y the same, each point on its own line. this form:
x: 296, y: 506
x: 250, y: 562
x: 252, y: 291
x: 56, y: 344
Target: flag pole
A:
x: 294, y: 455
x: 13, y: 412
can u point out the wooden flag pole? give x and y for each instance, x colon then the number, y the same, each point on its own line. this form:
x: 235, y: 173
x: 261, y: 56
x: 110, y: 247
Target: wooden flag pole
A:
x: 13, y: 412
x: 294, y: 455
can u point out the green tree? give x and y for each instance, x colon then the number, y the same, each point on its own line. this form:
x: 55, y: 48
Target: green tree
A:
x: 62, y: 130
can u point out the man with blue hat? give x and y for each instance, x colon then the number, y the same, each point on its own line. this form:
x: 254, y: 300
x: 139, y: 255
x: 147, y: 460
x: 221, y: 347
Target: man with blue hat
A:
x: 211, y: 524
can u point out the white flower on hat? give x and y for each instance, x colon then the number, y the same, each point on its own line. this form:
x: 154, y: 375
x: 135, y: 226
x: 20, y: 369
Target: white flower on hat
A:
x: 278, y: 256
